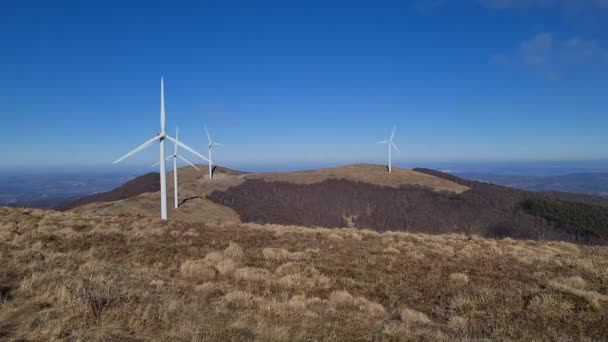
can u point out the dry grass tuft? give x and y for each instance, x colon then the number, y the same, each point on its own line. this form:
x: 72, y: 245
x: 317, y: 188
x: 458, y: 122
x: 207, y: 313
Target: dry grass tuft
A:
x: 241, y: 299
x: 335, y: 237
x: 550, y: 305
x: 374, y: 310
x: 281, y: 254
x: 458, y: 323
x: 392, y: 250
x: 234, y: 251
x: 575, y: 286
x: 252, y: 274
x: 226, y: 266
x: 459, y: 279
x: 413, y: 317
x: 464, y: 304
x: 342, y: 298
x: 198, y: 269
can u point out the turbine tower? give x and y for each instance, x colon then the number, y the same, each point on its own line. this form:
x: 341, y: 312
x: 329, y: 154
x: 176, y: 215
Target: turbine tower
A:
x: 175, y: 156
x: 160, y: 137
x: 390, y: 144
x: 209, y: 146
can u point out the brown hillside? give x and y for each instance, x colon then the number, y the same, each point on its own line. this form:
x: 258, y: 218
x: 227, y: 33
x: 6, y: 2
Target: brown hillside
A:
x: 366, y: 173
x: 147, y: 183
x: 65, y: 276
x: 194, y: 205
x: 195, y: 187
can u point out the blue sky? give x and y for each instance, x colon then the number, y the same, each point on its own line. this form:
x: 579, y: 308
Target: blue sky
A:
x: 305, y: 82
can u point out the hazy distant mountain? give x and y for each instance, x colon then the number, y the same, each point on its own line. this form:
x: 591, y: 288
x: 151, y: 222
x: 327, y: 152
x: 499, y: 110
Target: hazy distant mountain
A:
x: 591, y: 183
x: 49, y: 190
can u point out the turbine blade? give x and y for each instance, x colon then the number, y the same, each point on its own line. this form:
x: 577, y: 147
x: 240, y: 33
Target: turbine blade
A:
x: 208, y: 136
x: 395, y: 146
x: 393, y: 134
x: 187, y: 148
x: 186, y: 161
x: 156, y: 164
x: 176, y: 137
x: 162, y: 105
x: 382, y: 142
x: 218, y: 144
x: 141, y: 147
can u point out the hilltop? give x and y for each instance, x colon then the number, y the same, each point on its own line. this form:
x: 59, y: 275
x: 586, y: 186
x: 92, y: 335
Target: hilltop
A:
x: 195, y: 187
x: 75, y: 277
x: 365, y: 196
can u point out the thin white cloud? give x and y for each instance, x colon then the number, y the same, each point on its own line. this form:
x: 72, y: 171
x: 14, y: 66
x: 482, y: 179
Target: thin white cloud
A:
x: 552, y: 57
x: 537, y: 50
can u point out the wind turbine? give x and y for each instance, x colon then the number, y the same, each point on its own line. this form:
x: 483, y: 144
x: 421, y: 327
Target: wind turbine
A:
x: 390, y: 144
x: 209, y: 146
x: 175, y: 156
x: 160, y: 137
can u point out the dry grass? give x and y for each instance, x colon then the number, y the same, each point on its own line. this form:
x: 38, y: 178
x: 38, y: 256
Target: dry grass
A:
x: 71, y: 277
x: 374, y: 174
x: 459, y: 279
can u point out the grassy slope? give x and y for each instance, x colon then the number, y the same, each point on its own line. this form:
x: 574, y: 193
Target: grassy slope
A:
x: 367, y: 173
x: 67, y: 276
x: 195, y: 186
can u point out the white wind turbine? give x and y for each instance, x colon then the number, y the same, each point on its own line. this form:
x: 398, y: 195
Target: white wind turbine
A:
x: 390, y: 144
x: 209, y: 146
x: 160, y: 137
x: 175, y: 156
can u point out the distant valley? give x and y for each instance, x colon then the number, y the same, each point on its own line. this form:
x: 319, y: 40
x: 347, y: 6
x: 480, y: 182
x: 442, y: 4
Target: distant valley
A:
x: 590, y: 183
x: 46, y: 191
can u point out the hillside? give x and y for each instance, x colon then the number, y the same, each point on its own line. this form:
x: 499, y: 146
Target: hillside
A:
x: 195, y: 188
x: 486, y: 210
x: 147, y: 183
x: 365, y: 173
x: 365, y: 196
x: 67, y: 276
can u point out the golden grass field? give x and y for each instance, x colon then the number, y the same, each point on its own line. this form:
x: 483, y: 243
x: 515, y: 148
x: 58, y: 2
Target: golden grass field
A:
x: 66, y: 276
